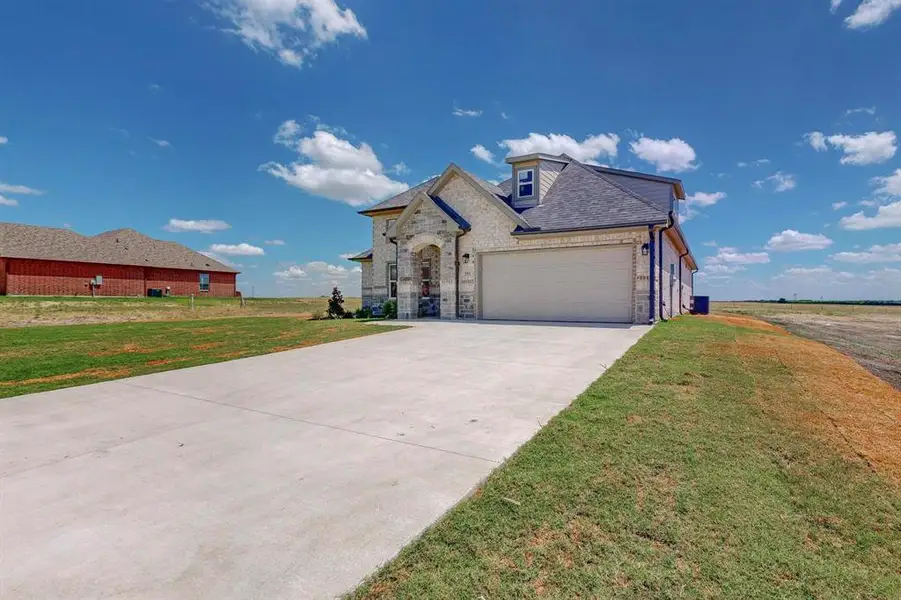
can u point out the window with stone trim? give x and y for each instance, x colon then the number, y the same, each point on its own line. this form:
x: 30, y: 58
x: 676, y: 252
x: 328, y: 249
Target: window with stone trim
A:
x: 392, y: 280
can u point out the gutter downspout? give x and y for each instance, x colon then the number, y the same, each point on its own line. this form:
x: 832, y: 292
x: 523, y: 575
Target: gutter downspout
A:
x: 660, y: 270
x: 456, y: 277
x: 680, y: 280
x: 651, y: 275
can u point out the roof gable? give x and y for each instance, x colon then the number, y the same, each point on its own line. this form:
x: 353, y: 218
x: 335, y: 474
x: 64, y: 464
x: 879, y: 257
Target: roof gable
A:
x: 489, y: 191
x: 455, y: 223
x: 402, y: 199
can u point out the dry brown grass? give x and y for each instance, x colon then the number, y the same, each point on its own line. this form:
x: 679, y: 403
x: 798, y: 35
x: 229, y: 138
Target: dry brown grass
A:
x: 95, y: 373
x: 840, y: 401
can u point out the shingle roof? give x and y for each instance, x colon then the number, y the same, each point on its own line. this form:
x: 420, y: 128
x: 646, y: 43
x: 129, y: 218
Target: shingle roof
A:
x: 364, y: 255
x: 402, y: 199
x: 117, y: 247
x: 506, y: 187
x: 581, y: 198
x: 659, y: 193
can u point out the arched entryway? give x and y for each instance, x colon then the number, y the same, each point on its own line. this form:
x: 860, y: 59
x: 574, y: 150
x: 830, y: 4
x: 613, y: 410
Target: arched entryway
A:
x: 427, y: 280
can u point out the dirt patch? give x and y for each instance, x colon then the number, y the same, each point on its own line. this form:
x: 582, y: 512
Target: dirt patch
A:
x: 238, y: 354
x: 304, y: 344
x: 840, y: 400
x: 98, y: 373
x: 206, y: 346
x: 126, y: 349
x: 165, y: 361
x: 747, y: 322
x: 872, y: 339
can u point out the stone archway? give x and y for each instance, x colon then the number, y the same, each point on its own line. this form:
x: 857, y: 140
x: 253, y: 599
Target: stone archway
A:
x: 427, y: 285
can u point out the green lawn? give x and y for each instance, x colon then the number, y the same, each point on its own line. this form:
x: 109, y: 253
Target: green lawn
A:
x: 669, y: 477
x: 36, y: 359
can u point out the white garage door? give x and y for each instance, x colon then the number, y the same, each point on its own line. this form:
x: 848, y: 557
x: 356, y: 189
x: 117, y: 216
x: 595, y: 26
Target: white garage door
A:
x: 573, y: 284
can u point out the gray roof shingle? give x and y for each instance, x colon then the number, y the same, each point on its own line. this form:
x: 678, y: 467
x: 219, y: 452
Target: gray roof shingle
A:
x: 364, y: 255
x: 582, y: 198
x: 117, y: 247
x: 402, y: 199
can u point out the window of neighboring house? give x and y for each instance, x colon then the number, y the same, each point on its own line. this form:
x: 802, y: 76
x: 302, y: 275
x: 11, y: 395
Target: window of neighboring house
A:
x: 389, y: 223
x: 204, y: 282
x: 392, y: 280
x: 426, y: 272
x: 525, y: 180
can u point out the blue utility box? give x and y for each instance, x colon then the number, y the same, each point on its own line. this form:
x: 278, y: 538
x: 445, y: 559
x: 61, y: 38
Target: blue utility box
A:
x: 700, y: 305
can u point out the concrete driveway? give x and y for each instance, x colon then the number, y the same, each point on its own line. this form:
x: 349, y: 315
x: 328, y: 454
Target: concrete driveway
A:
x: 291, y: 475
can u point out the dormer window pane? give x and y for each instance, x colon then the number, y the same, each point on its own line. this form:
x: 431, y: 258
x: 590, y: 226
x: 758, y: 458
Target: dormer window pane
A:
x: 526, y: 184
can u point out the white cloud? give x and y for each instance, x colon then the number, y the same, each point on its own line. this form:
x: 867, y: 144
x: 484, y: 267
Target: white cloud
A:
x: 9, y: 188
x: 348, y: 255
x: 884, y: 253
x: 839, y: 205
x: 505, y: 116
x: 274, y: 242
x: 817, y: 141
x: 870, y: 110
x: 336, y: 169
x: 155, y: 88
x: 867, y: 149
x: 292, y: 272
x: 400, y: 168
x: 483, y: 153
x: 591, y: 148
x: 869, y: 203
x: 807, y: 272
x: 287, y: 133
x: 711, y: 244
x: 667, y: 155
x: 242, y: 249
x: 722, y: 269
x: 160, y: 143
x: 462, y: 112
x: 291, y: 30
x: 791, y: 240
x: 705, y: 198
x: 885, y: 186
x: 319, y: 266
x: 3, y: 140
x: 871, y: 13
x: 834, y: 4
x: 782, y: 182
x: 357, y: 269
x: 755, y: 163
x: 886, y: 216
x: 731, y: 256
x: 4, y: 201
x: 198, y: 226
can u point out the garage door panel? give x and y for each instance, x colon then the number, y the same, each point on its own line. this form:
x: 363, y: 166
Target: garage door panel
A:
x: 574, y: 284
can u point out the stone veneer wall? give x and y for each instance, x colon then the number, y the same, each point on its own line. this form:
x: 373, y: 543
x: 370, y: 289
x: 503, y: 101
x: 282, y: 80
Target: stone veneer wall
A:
x: 366, y: 283
x: 383, y: 252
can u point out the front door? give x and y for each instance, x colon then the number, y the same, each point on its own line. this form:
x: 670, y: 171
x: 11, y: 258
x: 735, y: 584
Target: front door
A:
x: 429, y: 300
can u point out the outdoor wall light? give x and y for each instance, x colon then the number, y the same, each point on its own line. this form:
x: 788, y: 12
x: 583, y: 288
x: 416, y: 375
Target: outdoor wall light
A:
x: 466, y: 258
x: 644, y: 249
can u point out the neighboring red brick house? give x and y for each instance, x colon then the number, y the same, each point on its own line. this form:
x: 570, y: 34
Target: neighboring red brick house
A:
x: 46, y: 261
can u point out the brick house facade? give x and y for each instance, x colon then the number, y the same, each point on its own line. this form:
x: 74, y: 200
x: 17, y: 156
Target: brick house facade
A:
x: 36, y: 261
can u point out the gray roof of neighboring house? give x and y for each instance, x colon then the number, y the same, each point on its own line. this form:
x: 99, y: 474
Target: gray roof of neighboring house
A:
x: 117, y: 247
x: 402, y: 199
x: 364, y: 255
x: 583, y: 198
x: 506, y: 187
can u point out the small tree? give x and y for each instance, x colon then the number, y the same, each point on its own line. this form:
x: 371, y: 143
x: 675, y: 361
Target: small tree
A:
x: 336, y: 304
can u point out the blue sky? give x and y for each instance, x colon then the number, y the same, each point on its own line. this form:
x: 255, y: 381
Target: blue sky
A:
x: 262, y: 121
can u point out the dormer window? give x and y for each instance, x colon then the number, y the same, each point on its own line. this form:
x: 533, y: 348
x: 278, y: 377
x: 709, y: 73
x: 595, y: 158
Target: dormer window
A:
x: 525, y: 181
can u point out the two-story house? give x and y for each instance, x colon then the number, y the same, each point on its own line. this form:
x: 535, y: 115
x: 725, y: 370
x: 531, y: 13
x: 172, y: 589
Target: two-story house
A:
x: 558, y: 241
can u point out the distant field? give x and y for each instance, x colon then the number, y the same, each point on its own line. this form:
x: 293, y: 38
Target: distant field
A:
x: 869, y: 334
x: 58, y: 310
x: 37, y: 359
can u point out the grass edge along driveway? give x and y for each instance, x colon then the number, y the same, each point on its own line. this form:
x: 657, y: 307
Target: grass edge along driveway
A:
x: 37, y: 359
x: 695, y: 467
